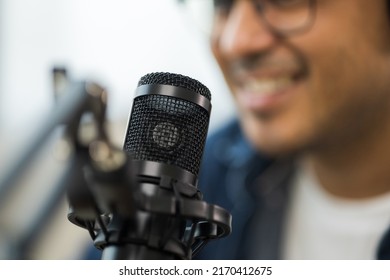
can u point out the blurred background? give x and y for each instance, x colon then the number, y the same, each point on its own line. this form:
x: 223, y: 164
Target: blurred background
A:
x: 112, y: 42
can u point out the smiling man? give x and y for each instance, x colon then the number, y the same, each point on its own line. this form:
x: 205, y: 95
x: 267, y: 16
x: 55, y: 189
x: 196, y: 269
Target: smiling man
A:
x: 305, y: 170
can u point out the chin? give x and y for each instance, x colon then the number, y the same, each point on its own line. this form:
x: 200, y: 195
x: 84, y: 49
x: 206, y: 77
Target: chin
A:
x: 273, y: 149
x: 273, y: 144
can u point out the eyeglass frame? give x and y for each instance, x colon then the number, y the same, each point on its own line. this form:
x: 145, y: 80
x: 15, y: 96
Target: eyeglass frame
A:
x: 312, y: 8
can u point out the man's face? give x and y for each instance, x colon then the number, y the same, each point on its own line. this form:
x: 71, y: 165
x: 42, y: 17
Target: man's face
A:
x: 317, y: 88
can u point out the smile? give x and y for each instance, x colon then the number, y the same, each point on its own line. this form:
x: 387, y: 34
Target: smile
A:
x: 267, y: 94
x: 268, y: 86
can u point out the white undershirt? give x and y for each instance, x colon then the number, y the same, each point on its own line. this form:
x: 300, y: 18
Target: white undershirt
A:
x: 322, y: 226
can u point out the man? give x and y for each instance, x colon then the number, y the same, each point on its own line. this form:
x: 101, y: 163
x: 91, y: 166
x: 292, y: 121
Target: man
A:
x: 305, y: 171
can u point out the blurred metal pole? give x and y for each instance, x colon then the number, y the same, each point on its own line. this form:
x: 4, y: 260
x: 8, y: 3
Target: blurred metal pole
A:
x: 71, y: 106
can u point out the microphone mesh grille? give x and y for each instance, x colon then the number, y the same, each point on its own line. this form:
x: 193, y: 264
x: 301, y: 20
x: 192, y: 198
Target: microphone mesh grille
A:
x: 168, y: 129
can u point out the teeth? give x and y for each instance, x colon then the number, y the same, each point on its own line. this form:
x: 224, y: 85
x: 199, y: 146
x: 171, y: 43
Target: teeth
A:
x: 268, y: 86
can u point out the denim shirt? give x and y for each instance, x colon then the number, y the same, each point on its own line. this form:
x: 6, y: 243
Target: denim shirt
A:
x: 255, y: 189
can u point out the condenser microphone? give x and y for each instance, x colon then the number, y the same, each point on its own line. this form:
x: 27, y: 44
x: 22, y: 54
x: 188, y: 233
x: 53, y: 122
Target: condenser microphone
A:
x: 167, y: 217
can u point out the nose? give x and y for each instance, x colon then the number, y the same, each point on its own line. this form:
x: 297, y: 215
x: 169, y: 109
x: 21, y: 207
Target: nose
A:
x: 243, y: 32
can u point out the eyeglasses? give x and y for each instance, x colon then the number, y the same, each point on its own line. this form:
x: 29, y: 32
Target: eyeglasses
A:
x: 283, y: 17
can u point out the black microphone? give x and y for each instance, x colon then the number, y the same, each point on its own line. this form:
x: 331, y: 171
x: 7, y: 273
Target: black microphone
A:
x: 168, y: 125
x: 166, y: 134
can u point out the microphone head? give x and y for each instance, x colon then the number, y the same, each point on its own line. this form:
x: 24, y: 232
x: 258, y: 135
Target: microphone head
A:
x: 169, y: 121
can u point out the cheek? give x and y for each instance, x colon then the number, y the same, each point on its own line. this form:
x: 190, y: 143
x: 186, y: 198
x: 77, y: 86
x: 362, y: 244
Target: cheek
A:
x: 340, y: 79
x: 337, y: 72
x: 345, y: 92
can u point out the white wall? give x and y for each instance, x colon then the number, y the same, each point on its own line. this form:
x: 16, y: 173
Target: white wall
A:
x: 113, y: 42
